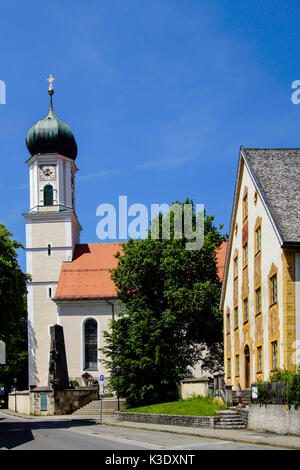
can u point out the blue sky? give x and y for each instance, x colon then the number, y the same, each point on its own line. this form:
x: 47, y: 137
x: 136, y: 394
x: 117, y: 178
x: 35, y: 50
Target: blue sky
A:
x: 160, y: 94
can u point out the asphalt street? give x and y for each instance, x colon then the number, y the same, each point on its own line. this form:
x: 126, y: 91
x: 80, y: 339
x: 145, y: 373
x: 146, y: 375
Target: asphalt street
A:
x: 25, y: 434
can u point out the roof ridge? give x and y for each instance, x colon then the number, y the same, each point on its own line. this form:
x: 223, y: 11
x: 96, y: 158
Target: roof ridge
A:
x: 271, y: 148
x: 86, y: 269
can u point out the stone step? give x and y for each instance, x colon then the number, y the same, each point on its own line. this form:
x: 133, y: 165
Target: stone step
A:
x: 229, y: 427
x: 109, y: 406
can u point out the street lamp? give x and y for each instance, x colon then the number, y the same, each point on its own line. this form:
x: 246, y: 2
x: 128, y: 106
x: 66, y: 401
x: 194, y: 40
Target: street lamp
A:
x: 15, y: 387
x: 117, y: 368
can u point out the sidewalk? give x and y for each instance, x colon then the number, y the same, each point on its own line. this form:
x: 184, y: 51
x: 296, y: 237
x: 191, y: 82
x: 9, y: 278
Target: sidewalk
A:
x: 239, y: 435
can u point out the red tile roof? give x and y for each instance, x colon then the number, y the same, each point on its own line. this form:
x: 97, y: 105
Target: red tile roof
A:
x: 88, y: 275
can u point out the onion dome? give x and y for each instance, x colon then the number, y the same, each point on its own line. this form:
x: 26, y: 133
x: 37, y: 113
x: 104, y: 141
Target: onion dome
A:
x: 50, y: 135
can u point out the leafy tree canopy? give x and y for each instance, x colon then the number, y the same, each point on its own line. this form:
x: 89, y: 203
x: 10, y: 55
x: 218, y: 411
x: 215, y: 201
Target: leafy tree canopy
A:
x: 13, y: 324
x: 170, y: 296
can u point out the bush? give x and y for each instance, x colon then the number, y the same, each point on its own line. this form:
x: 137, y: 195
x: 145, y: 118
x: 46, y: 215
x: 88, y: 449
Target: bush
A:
x: 281, y: 375
x: 73, y: 383
x: 293, y: 394
x: 263, y: 393
x: 282, y: 387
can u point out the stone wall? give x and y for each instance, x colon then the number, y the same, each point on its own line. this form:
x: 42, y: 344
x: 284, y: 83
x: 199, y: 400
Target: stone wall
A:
x: 68, y: 401
x: 202, y: 421
x: 226, y: 419
x: 278, y: 419
x: 46, y: 402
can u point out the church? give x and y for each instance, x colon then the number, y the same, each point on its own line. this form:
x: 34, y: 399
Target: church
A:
x: 70, y: 282
x: 260, y: 296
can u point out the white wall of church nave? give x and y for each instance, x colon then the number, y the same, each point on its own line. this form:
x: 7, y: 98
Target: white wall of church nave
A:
x: 72, y: 317
x: 271, y: 253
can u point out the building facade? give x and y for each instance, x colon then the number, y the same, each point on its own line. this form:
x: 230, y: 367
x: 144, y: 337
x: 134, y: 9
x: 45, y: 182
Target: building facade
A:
x: 260, y: 296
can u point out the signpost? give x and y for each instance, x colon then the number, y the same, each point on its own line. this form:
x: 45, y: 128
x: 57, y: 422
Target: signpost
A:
x: 2, y: 353
x: 254, y: 392
x: 101, y: 393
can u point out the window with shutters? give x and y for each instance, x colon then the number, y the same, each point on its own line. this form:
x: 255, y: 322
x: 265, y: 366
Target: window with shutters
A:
x: 48, y: 195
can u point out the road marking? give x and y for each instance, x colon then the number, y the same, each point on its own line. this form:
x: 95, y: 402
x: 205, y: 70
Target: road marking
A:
x: 122, y: 440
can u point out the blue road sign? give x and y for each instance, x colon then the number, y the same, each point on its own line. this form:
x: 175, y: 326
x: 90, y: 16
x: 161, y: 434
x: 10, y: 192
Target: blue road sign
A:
x: 101, y: 378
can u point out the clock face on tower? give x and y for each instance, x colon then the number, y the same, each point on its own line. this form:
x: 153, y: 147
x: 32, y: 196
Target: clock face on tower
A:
x: 47, y: 172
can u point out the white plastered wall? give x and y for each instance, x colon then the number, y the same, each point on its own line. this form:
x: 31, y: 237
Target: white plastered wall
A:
x: 72, y: 315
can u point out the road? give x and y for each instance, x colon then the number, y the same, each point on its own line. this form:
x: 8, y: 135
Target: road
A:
x: 33, y: 434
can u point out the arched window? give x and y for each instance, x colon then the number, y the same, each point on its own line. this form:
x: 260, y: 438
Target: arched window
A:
x: 90, y: 345
x: 48, y: 195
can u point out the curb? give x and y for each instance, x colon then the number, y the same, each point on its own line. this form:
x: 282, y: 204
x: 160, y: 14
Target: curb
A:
x: 199, y: 434
x: 140, y: 426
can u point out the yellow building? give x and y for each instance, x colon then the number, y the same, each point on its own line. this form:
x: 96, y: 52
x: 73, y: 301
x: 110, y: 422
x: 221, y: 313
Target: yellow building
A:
x: 260, y: 296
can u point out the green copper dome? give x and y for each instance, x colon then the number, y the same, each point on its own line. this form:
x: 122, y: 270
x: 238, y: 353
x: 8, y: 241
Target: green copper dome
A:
x: 50, y: 135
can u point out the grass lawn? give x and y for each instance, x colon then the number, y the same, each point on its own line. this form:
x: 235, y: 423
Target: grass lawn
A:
x: 197, y: 406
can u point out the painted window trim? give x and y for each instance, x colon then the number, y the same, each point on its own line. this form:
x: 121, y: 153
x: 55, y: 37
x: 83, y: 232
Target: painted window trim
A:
x: 259, y: 371
x: 255, y: 293
x: 246, y: 300
x: 237, y: 369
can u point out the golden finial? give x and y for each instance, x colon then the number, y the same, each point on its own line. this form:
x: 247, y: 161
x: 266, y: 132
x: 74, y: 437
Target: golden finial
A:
x: 50, y: 80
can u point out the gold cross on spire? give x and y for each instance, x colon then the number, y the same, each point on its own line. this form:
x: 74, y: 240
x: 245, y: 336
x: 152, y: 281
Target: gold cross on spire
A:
x: 50, y: 80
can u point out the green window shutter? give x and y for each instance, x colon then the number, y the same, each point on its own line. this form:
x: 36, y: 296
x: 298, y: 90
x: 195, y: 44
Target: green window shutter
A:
x: 43, y: 401
x: 48, y: 195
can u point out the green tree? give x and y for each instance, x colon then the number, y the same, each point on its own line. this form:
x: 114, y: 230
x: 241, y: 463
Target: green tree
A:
x: 171, y: 298
x: 13, y: 322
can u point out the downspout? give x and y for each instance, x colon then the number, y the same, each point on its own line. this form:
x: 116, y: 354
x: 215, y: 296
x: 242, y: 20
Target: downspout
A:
x: 112, y: 309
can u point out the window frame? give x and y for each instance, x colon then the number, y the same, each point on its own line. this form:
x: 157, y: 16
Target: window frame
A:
x: 245, y: 255
x: 47, y: 195
x: 258, y: 239
x: 84, y: 351
x: 246, y: 302
x: 259, y: 359
x: 245, y: 207
x: 236, y: 317
x: 274, y: 364
x: 229, y: 368
x: 235, y: 266
x: 237, y: 365
x: 228, y: 323
x: 258, y: 310
x: 273, y: 289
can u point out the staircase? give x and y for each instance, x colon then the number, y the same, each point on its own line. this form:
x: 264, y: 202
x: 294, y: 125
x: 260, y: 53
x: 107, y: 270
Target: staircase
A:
x: 231, y: 419
x: 109, y: 406
x: 246, y: 397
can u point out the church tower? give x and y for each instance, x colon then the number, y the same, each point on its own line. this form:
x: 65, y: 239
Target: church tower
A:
x: 52, y: 229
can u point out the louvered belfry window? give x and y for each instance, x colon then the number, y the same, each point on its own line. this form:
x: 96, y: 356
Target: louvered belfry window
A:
x: 48, y: 195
